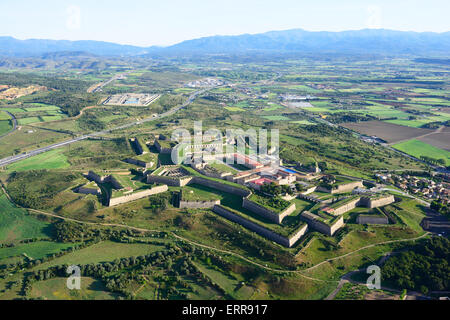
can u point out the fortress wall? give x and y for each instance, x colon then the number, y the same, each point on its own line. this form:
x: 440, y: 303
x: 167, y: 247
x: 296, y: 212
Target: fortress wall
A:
x: 213, y: 175
x: 161, y: 149
x: 198, y: 204
x: 82, y: 190
x: 348, y: 187
x: 173, y: 182
x: 287, y: 211
x: 157, y: 146
x: 266, y: 213
x: 308, y: 198
x: 343, y: 187
x: 221, y: 186
x: 295, y: 237
x: 266, y: 233
x: 93, y: 176
x: 347, y: 207
x: 138, y: 162
x: 138, y: 146
x: 337, y: 225
x: 310, y: 190
x: 185, y: 181
x: 322, y: 189
x: 323, y: 227
x: 137, y: 195
x: 114, y: 182
x: 371, y: 220
x: 261, y: 211
x: 375, y: 203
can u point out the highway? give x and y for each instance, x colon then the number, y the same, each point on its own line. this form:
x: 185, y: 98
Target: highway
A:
x: 16, y: 158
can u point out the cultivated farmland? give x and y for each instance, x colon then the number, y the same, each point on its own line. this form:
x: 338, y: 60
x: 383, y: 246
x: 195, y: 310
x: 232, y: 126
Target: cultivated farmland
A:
x: 389, y: 132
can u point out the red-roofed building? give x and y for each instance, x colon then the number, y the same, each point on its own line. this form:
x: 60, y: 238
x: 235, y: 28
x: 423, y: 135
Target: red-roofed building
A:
x: 246, y: 161
x: 257, y: 184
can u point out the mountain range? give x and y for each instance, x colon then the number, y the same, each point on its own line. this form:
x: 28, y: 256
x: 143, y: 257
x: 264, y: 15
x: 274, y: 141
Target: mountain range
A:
x: 366, y: 41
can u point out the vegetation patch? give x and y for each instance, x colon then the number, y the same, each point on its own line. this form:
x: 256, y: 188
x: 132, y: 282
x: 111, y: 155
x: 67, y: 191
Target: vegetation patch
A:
x: 5, y: 126
x: 420, y: 149
x: 16, y: 224
x: 423, y: 267
x: 54, y: 159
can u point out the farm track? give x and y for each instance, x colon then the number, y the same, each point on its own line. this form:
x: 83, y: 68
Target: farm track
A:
x: 437, y: 131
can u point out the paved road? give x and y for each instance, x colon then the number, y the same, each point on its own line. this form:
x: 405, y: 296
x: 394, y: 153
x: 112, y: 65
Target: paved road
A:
x: 12, y: 159
x: 14, y: 120
x: 99, y: 86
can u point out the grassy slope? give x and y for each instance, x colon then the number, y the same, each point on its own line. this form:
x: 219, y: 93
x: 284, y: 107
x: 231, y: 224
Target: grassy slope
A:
x: 5, y: 126
x: 16, y: 224
x: 56, y: 289
x: 418, y: 148
x: 102, y: 252
x: 34, y: 250
x: 54, y: 159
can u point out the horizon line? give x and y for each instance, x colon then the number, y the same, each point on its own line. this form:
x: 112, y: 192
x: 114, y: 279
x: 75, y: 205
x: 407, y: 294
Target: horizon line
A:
x: 221, y: 35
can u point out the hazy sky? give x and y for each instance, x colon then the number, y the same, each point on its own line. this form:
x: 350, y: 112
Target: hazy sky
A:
x: 164, y: 22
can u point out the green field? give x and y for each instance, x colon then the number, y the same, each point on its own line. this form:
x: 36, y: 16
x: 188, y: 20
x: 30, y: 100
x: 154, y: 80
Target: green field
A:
x: 28, y: 120
x: 16, y: 224
x: 222, y: 167
x: 304, y: 122
x: 234, y: 109
x: 54, y: 159
x: 418, y: 148
x: 15, y: 110
x: 4, y: 116
x: 276, y: 118
x: 196, y: 192
x: 40, y: 107
x: 5, y: 126
x: 33, y: 250
x: 51, y: 118
x: 227, y: 283
x: 273, y: 107
x: 411, y: 213
x: 102, y: 252
x: 410, y: 123
x: 56, y: 289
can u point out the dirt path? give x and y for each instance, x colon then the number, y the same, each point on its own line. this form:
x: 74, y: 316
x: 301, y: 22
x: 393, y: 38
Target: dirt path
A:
x: 299, y: 272
x: 73, y: 118
x: 438, y: 130
x: 367, y: 247
x: 176, y: 236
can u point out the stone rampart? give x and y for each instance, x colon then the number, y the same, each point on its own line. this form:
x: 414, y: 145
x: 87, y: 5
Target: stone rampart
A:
x: 267, y: 213
x: 221, y: 186
x: 198, y: 204
x: 262, y: 231
x: 137, y: 195
x: 361, y: 219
